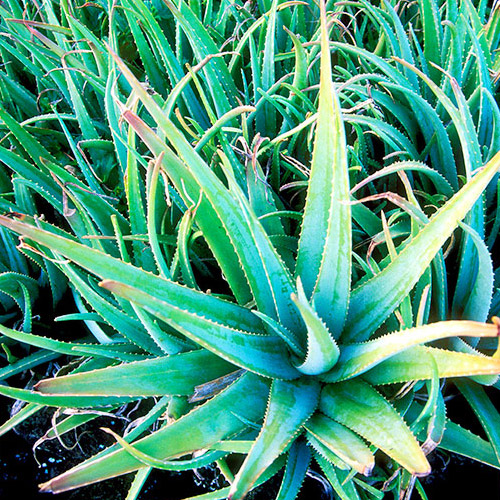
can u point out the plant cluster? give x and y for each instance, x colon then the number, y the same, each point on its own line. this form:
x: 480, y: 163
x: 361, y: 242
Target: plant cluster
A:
x: 276, y: 220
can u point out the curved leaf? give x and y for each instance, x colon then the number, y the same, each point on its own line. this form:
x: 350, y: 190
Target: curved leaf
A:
x: 347, y: 445
x: 322, y: 350
x: 414, y: 364
x: 358, y: 358
x: 361, y: 408
x: 261, y: 354
x: 290, y: 405
x: 203, y: 426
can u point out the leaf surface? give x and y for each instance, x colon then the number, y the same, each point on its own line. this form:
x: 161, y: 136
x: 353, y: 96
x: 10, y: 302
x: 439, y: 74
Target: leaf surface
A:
x: 362, y: 409
x: 203, y: 426
x: 290, y: 405
x: 174, y: 375
x: 324, y: 253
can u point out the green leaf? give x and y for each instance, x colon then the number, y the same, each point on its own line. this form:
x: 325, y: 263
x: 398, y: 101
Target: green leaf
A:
x: 361, y: 408
x: 373, y: 301
x: 290, y: 405
x: 19, y: 417
x: 324, y: 254
x: 322, y: 350
x: 485, y: 411
x: 62, y: 401
x: 472, y: 298
x: 173, y: 375
x: 345, y: 490
x: 467, y: 444
x: 114, y: 351
x: 262, y: 354
x: 24, y: 364
x: 266, y: 116
x: 203, y: 426
x: 343, y: 442
x: 414, y: 364
x: 433, y: 35
x: 358, y: 358
x: 296, y: 468
x: 219, y: 80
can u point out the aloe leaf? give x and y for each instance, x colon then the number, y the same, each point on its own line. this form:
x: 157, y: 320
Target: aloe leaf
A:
x: 343, y: 442
x: 138, y: 483
x: 322, y: 350
x: 485, y: 411
x: 326, y: 453
x: 203, y: 426
x: 233, y: 446
x: 361, y: 408
x: 300, y: 67
x: 19, y: 417
x: 261, y: 354
x: 472, y: 300
x: 108, y: 267
x: 137, y: 215
x: 289, y: 337
x: 71, y: 422
x: 460, y: 115
x: 296, y: 468
x: 150, y: 461
x: 414, y: 364
x: 442, y: 185
x: 23, y: 364
x: 182, y: 248
x: 433, y: 35
x: 395, y: 33
x: 129, y: 327
x: 467, y: 444
x: 219, y: 80
x: 290, y: 405
x: 266, y: 115
x: 152, y: 192
x: 230, y: 226
x: 172, y: 375
x: 430, y: 124
x: 373, y: 301
x: 32, y: 147
x: 72, y: 348
x: 345, y: 491
x: 324, y: 254
x: 14, y: 284
x: 62, y: 401
x: 358, y: 358
x: 152, y: 67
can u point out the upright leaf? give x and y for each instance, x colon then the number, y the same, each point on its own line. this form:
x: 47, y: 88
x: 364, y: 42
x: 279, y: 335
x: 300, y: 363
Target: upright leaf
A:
x: 324, y: 254
x: 290, y: 405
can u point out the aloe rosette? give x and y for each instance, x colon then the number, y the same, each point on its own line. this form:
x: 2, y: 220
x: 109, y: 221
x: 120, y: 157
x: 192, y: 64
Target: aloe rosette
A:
x: 293, y: 364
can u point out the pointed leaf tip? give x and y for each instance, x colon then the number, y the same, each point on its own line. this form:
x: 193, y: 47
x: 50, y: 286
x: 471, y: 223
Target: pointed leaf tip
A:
x: 322, y: 350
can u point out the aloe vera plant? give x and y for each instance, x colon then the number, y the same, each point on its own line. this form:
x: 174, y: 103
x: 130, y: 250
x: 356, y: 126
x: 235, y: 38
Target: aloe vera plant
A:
x: 302, y: 350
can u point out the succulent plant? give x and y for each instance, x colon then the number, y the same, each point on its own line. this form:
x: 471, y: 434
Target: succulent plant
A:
x: 292, y: 361
x: 254, y: 318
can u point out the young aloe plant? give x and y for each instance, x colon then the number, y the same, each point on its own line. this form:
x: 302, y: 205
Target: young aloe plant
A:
x: 292, y: 360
